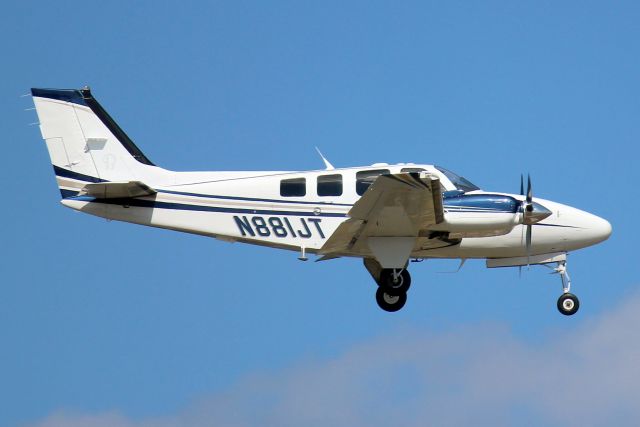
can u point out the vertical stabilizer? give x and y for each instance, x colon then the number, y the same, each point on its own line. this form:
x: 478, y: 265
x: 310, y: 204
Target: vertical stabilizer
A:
x: 85, y: 144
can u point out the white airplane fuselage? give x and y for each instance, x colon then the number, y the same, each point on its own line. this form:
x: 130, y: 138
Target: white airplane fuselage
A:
x: 248, y: 207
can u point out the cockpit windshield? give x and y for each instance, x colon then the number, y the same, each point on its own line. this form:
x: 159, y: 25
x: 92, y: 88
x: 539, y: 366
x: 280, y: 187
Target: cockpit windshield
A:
x: 460, y: 182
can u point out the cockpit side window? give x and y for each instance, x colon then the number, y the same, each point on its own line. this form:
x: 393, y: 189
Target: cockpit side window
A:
x: 459, y: 182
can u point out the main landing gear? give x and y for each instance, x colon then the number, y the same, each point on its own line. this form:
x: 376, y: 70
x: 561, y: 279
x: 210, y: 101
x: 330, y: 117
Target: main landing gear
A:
x: 568, y: 303
x: 393, y: 284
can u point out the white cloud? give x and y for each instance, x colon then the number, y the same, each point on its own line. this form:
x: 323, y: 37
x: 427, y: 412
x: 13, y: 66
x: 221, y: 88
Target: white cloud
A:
x: 476, y: 375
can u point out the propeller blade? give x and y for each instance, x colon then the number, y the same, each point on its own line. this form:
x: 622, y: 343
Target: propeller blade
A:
x: 529, y: 190
x: 521, y: 184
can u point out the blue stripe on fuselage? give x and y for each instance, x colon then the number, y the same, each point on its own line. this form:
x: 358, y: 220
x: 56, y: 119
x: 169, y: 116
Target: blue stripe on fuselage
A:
x: 68, y: 193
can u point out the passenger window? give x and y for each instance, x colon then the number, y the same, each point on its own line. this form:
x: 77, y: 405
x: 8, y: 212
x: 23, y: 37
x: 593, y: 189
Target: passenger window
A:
x: 365, y: 178
x: 330, y: 185
x: 409, y: 170
x: 296, y: 187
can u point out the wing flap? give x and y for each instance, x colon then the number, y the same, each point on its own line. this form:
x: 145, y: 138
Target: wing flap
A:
x: 117, y: 190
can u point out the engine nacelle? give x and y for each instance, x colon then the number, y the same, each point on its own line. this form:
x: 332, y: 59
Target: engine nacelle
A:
x: 479, y: 215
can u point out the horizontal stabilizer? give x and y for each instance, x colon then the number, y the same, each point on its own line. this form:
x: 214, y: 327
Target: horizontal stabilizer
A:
x: 117, y: 190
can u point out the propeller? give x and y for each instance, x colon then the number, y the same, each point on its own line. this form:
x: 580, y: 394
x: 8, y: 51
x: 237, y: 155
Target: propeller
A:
x: 528, y: 217
x: 532, y: 213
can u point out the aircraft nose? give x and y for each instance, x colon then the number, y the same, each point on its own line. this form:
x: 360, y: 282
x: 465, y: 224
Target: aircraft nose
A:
x: 602, y: 228
x: 599, y: 229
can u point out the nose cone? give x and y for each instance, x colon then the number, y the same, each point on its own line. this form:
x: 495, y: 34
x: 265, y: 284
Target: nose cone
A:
x: 592, y: 229
x: 599, y: 228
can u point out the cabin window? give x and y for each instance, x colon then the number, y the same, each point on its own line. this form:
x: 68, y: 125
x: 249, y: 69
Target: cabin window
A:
x: 330, y: 185
x: 296, y: 187
x: 365, y: 178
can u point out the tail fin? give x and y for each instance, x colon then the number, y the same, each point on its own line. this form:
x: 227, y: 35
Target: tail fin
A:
x: 85, y: 144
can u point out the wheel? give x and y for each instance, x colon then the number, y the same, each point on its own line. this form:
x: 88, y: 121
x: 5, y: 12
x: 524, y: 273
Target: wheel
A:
x: 568, y: 304
x: 400, y: 284
x: 390, y: 302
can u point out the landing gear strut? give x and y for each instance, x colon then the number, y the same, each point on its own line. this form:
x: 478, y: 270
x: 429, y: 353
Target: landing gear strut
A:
x: 568, y: 304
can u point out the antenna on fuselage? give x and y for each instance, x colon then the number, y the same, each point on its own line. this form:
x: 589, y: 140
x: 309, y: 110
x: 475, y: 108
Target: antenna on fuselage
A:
x: 327, y: 164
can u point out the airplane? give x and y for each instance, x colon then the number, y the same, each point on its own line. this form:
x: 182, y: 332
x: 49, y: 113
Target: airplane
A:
x: 388, y: 215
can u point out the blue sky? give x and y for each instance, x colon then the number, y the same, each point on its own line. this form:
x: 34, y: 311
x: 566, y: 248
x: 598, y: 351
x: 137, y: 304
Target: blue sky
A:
x: 104, y: 323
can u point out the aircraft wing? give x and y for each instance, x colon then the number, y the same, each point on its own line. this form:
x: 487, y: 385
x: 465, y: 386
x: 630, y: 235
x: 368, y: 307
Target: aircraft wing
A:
x: 117, y: 190
x: 397, y: 205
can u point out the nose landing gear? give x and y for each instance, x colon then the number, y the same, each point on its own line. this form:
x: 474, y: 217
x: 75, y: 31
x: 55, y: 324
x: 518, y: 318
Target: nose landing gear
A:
x: 568, y: 303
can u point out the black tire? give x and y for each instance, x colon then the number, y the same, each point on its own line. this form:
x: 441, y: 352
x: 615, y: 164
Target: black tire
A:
x: 568, y: 304
x: 398, y: 286
x: 390, y: 301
